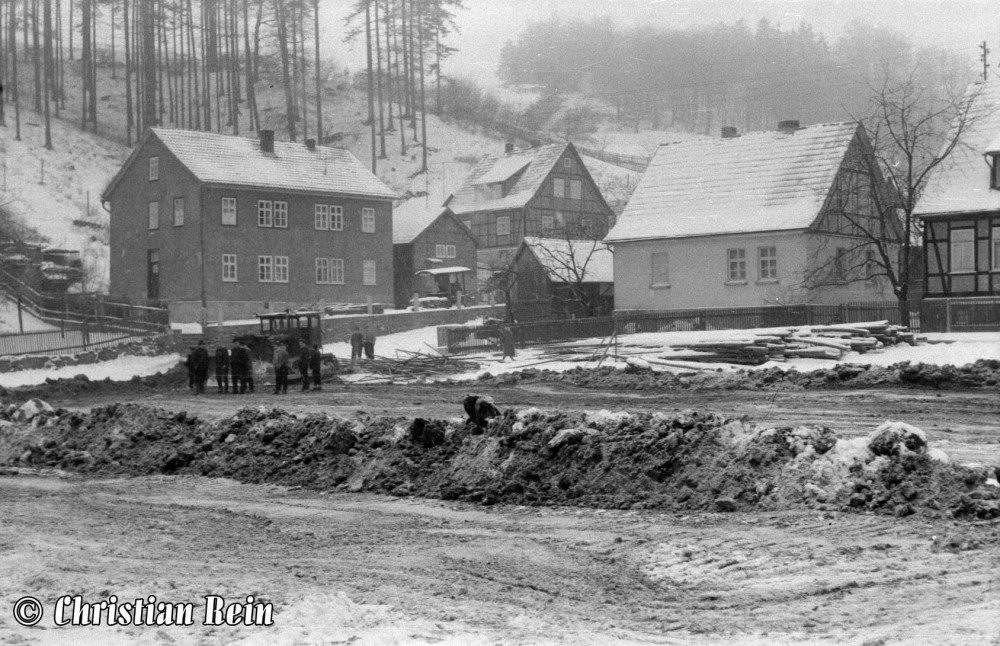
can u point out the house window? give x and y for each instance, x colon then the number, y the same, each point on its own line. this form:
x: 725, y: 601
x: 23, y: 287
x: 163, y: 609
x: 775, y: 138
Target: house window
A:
x: 337, y: 218
x: 963, y: 250
x: 321, y: 218
x: 996, y: 249
x: 450, y: 251
x: 281, y: 215
x: 154, y: 215
x: 337, y: 271
x: 265, y: 269
x: 737, y: 259
x: 548, y: 223
x: 871, y: 267
x: 995, y: 171
x: 767, y: 263
x: 323, y: 271
x: 575, y: 189
x: 559, y: 187
x: 440, y: 251
x: 660, y: 269
x: 840, y: 263
x: 368, y: 220
x: 154, y: 169
x: 178, y: 211
x: 567, y: 163
x: 503, y: 225
x: 265, y: 213
x: 368, y: 272
x: 229, y: 268
x: 281, y: 269
x: 229, y: 211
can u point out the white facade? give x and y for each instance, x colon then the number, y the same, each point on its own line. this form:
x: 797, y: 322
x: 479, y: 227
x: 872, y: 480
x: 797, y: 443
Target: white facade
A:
x: 706, y: 272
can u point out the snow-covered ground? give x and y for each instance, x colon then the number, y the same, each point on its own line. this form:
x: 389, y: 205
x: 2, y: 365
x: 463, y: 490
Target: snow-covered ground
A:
x: 9, y: 320
x: 942, y: 349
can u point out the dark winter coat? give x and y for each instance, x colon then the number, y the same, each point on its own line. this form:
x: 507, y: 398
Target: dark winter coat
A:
x: 221, y: 362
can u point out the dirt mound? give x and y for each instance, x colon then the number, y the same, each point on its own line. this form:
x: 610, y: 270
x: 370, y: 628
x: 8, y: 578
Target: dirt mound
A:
x: 691, y: 460
x: 981, y: 374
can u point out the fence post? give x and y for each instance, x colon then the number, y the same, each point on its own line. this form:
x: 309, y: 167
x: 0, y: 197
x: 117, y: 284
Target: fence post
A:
x: 20, y: 320
x: 947, y: 315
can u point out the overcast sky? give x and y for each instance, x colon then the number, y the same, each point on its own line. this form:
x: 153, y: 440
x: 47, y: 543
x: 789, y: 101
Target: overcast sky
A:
x: 488, y: 24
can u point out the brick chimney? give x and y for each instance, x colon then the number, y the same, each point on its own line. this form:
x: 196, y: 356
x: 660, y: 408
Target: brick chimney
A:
x: 788, y: 125
x: 508, y: 147
x: 728, y: 132
x: 266, y: 140
x: 311, y: 144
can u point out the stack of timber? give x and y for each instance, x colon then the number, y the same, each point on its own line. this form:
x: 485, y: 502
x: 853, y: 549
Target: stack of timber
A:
x: 815, y: 342
x: 411, y: 365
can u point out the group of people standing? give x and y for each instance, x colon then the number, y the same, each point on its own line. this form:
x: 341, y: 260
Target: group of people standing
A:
x: 236, y: 363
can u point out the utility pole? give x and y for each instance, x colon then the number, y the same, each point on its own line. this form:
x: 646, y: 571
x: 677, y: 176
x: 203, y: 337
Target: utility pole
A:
x: 983, y: 58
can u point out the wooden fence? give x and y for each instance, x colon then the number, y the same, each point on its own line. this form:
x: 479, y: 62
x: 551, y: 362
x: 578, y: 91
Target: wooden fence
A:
x: 937, y: 315
x: 62, y: 342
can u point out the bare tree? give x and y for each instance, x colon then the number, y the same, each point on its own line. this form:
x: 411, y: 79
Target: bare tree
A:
x: 569, y: 263
x: 913, y: 127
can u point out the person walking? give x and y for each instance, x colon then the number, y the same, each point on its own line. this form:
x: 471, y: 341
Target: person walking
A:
x: 201, y: 362
x: 316, y: 367
x: 507, y: 343
x: 368, y: 343
x: 357, y: 339
x: 303, y: 366
x: 222, y: 369
x: 280, y: 369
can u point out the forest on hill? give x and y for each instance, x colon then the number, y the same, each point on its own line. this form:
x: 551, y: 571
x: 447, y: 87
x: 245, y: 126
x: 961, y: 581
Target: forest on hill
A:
x: 200, y: 64
x: 726, y: 75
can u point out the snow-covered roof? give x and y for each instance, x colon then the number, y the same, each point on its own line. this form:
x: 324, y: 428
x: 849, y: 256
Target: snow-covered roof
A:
x: 410, y: 218
x: 498, y: 168
x: 961, y: 184
x: 503, y: 170
x: 759, y: 181
x: 239, y: 161
x: 565, y: 259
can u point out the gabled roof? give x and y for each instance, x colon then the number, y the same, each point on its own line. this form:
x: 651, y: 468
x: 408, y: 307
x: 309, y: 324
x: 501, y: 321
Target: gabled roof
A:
x: 498, y: 168
x: 563, y: 259
x: 759, y: 181
x: 412, y: 217
x: 238, y: 161
x: 961, y: 184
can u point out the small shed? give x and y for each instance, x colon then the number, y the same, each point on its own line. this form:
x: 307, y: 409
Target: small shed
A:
x: 434, y: 254
x: 564, y: 278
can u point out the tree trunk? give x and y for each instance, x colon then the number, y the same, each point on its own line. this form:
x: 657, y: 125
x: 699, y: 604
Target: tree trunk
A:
x: 423, y: 96
x: 401, y: 91
x: 129, y: 119
x: 318, y: 74
x: 49, y: 72
x: 3, y: 63
x: 282, y: 23
x: 93, y: 67
x: 378, y: 85
x: 149, y: 85
x: 14, y: 81
x: 389, y: 24
x: 85, y: 58
x: 371, y: 80
x: 36, y: 55
x: 251, y: 92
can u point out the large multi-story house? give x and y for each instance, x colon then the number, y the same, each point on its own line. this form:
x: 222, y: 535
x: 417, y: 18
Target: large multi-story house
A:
x: 542, y: 191
x: 763, y: 218
x: 229, y: 226
x: 960, y: 206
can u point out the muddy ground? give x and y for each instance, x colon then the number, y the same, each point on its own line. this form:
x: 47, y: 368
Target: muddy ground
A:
x: 345, y: 566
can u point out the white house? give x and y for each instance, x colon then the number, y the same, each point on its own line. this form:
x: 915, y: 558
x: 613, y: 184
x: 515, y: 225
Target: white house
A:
x: 762, y: 218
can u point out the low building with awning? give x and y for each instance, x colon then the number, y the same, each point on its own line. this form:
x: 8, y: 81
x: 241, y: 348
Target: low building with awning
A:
x: 434, y: 254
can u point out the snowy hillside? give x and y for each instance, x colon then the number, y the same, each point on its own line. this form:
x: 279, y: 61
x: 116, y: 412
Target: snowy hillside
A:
x: 46, y: 190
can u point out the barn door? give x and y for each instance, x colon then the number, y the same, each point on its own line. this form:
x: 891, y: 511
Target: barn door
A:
x: 153, y: 275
